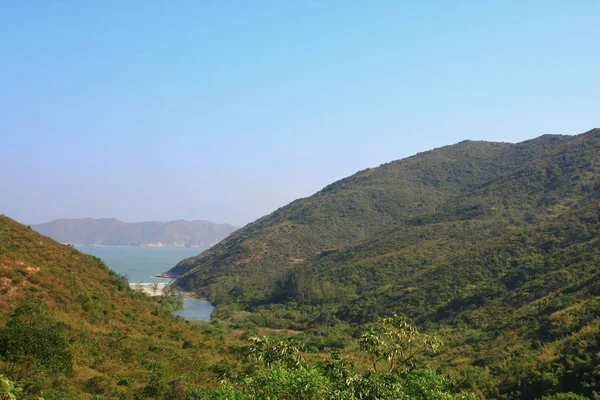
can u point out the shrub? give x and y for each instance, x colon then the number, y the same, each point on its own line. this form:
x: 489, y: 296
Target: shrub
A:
x: 30, y: 333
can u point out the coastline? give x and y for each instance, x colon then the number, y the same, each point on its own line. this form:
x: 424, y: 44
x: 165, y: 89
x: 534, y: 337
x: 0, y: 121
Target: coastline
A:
x: 141, y: 246
x: 150, y: 288
x: 158, y: 288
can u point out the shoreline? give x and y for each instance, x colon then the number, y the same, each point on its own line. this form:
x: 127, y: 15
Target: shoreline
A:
x: 143, y: 246
x: 150, y: 288
x: 158, y: 288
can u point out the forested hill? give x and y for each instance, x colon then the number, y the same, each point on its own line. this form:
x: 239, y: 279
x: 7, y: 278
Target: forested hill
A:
x: 112, y: 232
x: 352, y: 210
x: 70, y: 328
x: 500, y: 259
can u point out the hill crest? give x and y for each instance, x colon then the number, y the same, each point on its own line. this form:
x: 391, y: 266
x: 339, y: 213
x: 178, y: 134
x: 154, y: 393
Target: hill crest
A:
x: 354, y: 209
x: 114, y: 232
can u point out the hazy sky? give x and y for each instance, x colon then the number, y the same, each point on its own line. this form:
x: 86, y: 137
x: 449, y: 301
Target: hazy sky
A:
x: 227, y: 110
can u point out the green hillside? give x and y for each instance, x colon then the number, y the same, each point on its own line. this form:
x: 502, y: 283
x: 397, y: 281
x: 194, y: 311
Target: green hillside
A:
x: 504, y: 269
x: 349, y: 211
x: 492, y: 250
x: 70, y: 328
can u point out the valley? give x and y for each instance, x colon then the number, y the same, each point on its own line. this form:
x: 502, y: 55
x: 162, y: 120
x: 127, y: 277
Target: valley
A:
x: 486, y: 253
x: 299, y: 200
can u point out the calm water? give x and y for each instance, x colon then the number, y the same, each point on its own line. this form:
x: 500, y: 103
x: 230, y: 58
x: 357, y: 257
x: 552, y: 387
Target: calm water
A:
x: 194, y: 309
x: 141, y: 264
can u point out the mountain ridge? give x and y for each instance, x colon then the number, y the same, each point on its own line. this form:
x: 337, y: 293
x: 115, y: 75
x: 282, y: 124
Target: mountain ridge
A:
x: 493, y: 248
x: 357, y: 207
x: 114, y: 232
x: 504, y: 270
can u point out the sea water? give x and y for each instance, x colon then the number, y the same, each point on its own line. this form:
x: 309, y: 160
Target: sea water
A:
x: 141, y: 264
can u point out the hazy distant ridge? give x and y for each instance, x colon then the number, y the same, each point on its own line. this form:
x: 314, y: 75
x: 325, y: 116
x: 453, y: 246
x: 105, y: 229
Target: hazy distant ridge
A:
x: 113, y: 232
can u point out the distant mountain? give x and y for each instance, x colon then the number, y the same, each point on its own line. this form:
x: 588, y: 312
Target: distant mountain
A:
x: 112, y: 232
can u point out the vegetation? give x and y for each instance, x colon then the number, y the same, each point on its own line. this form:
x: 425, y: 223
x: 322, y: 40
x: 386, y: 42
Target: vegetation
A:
x: 171, y: 299
x: 467, y: 272
x: 282, y: 373
x: 8, y: 389
x: 29, y: 333
x: 366, y: 205
x: 70, y: 328
x: 494, y: 248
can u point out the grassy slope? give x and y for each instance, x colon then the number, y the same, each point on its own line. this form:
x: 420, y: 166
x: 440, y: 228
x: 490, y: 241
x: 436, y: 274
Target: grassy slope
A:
x: 564, y: 179
x: 506, y: 272
x: 115, y: 334
x: 349, y: 211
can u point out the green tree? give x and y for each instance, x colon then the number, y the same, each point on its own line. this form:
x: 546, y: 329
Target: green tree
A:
x: 284, y: 374
x: 283, y: 352
x: 31, y: 333
x: 395, y: 341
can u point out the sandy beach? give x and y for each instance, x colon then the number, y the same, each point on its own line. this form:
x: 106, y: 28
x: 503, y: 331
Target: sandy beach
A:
x: 150, y: 288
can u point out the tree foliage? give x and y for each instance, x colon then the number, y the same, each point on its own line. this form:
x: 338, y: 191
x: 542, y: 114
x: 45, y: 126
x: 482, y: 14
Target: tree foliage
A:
x: 397, y: 342
x: 8, y: 389
x: 31, y: 333
x: 283, y: 374
x: 493, y: 248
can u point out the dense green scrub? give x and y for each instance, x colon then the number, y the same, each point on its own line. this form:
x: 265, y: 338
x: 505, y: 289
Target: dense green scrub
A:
x: 494, y: 247
x: 278, y: 370
x: 70, y: 328
x: 361, y: 207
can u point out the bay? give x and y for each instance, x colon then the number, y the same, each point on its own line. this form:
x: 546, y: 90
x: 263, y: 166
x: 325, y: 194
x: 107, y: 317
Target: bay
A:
x: 140, y: 264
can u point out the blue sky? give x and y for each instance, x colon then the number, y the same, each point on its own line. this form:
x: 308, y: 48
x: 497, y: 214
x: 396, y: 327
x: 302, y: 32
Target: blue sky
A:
x: 227, y: 110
